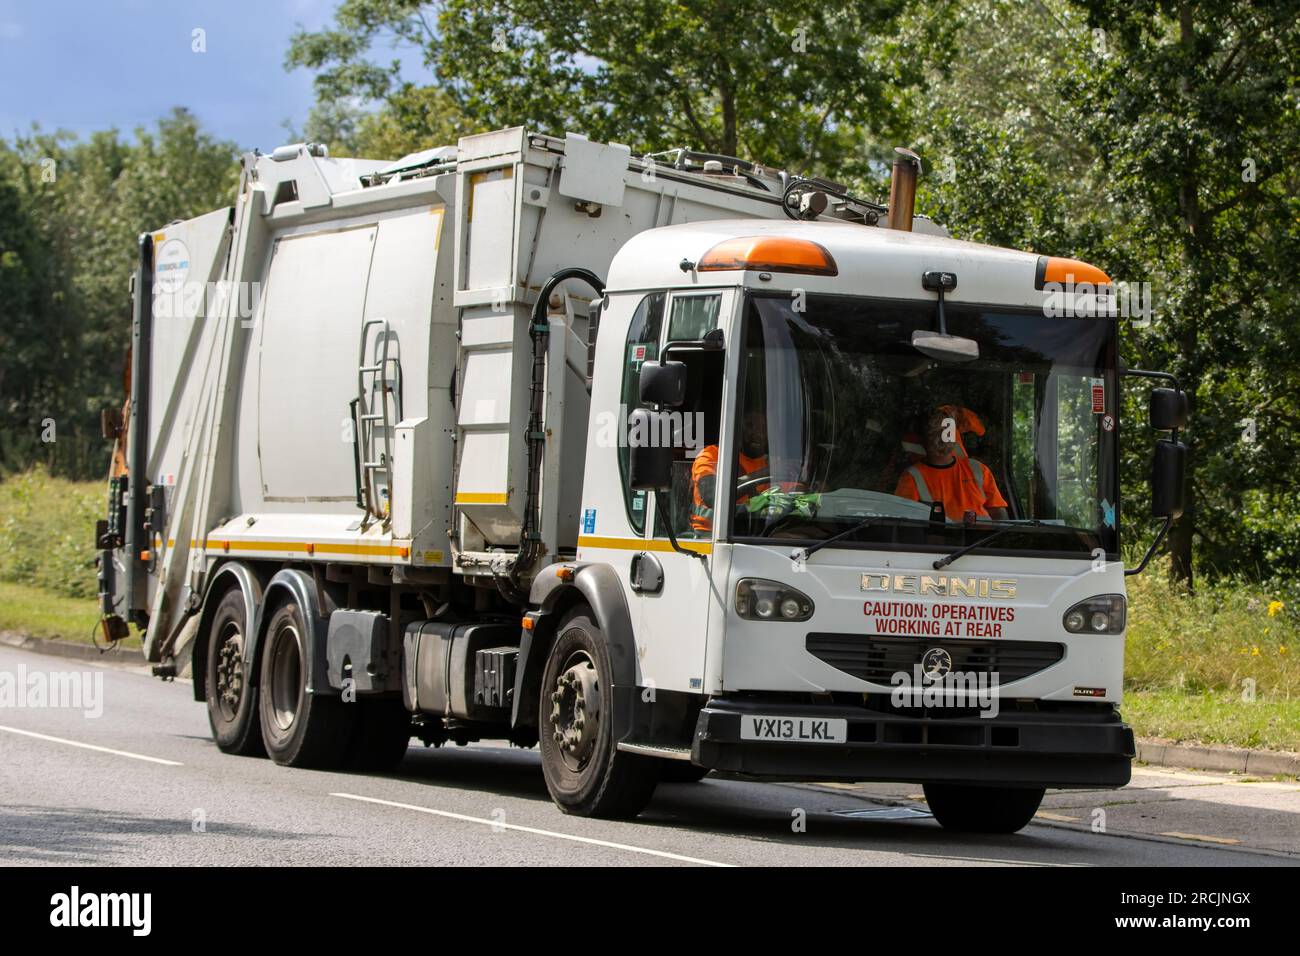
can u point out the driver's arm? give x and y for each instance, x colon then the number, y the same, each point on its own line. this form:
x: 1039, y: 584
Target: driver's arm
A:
x: 704, y: 473
x: 994, y: 503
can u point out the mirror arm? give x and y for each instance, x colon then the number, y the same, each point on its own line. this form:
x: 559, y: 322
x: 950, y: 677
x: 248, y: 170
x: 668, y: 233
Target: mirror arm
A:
x: 711, y: 342
x: 1160, y: 536
x: 1163, y: 376
x: 1147, y: 373
x: 679, y: 346
x: 661, y: 505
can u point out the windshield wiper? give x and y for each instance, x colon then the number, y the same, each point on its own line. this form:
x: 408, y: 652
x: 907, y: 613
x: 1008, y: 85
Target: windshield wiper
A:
x: 803, y: 554
x: 968, y: 548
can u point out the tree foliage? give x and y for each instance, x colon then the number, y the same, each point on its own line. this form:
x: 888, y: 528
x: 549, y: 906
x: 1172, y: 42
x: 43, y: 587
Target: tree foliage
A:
x: 1158, y: 140
x: 70, y: 212
x: 794, y: 83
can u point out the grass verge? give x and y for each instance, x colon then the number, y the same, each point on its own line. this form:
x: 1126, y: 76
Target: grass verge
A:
x: 35, y: 611
x: 1214, y: 719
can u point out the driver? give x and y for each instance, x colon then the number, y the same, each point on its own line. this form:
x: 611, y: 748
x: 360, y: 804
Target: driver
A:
x: 963, y: 484
x: 704, y: 470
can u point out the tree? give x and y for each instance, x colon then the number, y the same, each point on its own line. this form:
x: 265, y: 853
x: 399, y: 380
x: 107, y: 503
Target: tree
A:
x: 791, y: 83
x: 35, y: 328
x: 1158, y: 140
x: 1193, y: 110
x: 411, y: 119
x: 70, y: 213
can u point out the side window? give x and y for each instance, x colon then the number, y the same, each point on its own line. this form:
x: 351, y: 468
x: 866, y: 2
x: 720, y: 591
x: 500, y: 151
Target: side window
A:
x: 1023, y: 483
x: 642, y: 343
x: 692, y: 317
x: 1076, y: 449
x: 692, y: 499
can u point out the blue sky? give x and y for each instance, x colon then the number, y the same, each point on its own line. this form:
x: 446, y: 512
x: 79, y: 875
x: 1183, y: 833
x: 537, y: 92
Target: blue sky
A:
x: 84, y: 65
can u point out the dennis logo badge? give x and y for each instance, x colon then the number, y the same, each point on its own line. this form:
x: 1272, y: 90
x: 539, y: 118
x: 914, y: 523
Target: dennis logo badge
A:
x: 936, y: 664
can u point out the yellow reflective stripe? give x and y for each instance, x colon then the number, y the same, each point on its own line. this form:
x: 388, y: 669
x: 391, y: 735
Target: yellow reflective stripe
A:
x: 308, y: 547
x: 644, y: 544
x: 482, y: 498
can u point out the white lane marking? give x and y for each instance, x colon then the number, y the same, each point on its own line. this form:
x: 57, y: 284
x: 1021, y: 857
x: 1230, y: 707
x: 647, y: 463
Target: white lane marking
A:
x: 77, y: 743
x: 522, y: 829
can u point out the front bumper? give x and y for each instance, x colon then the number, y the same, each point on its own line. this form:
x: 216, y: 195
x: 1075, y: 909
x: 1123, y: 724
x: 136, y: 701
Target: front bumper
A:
x: 1041, y: 749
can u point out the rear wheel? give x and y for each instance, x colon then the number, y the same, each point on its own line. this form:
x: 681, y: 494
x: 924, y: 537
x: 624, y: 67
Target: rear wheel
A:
x: 585, y: 772
x: 300, y: 729
x: 982, y: 809
x: 231, y: 699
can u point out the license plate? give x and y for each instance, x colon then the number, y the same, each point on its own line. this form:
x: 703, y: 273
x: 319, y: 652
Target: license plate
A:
x: 796, y: 729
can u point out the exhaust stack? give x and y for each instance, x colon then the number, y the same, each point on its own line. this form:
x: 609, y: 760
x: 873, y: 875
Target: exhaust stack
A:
x: 902, y: 189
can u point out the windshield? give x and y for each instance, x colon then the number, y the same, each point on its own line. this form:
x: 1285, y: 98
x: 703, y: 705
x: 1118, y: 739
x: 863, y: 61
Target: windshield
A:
x: 841, y: 419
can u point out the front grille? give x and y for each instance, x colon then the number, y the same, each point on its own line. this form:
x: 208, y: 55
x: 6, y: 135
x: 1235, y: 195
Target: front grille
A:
x: 877, y: 659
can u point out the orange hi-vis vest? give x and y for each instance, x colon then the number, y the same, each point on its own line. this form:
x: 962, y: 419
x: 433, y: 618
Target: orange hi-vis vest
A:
x: 705, y: 466
x: 965, y: 484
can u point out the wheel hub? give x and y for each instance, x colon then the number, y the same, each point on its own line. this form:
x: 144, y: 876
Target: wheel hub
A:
x: 230, y: 673
x: 286, y: 676
x: 575, y: 713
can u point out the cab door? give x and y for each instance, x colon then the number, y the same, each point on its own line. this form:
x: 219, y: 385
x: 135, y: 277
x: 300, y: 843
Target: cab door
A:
x: 671, y: 591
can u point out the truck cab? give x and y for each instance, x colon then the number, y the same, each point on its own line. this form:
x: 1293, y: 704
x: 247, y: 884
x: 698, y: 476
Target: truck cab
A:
x: 805, y: 603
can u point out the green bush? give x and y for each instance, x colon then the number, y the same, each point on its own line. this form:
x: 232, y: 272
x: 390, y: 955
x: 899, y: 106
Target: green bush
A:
x: 1228, y: 632
x: 47, y: 531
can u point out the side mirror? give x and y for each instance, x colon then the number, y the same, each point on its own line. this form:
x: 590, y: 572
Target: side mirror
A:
x: 1167, y: 470
x: 663, y: 383
x: 649, y: 461
x: 1168, y: 409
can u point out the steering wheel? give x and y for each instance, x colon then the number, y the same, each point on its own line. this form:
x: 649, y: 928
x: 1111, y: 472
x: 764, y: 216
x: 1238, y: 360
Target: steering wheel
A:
x: 750, y: 486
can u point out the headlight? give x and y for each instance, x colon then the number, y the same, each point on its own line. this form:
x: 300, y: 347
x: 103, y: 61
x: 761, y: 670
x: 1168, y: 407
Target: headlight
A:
x: 1103, y: 614
x: 760, y: 600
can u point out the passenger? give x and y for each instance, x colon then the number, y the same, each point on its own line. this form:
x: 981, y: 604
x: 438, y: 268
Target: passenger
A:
x: 948, y: 475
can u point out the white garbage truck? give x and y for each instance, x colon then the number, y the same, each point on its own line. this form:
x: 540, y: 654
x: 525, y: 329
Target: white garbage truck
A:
x: 666, y: 464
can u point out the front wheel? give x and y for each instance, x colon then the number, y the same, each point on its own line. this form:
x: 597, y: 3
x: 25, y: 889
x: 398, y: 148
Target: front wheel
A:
x: 585, y: 772
x: 982, y: 809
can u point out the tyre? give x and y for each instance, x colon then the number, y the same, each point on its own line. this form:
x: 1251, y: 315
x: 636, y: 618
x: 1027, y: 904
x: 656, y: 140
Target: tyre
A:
x: 585, y: 773
x: 681, y: 771
x: 967, y: 809
x: 298, y: 728
x: 381, y: 736
x: 230, y: 697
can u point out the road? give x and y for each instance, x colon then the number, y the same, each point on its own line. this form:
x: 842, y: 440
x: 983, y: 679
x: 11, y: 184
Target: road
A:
x: 143, y: 784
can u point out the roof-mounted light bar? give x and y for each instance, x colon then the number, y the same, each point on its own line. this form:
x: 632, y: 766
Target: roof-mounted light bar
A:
x: 769, y: 254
